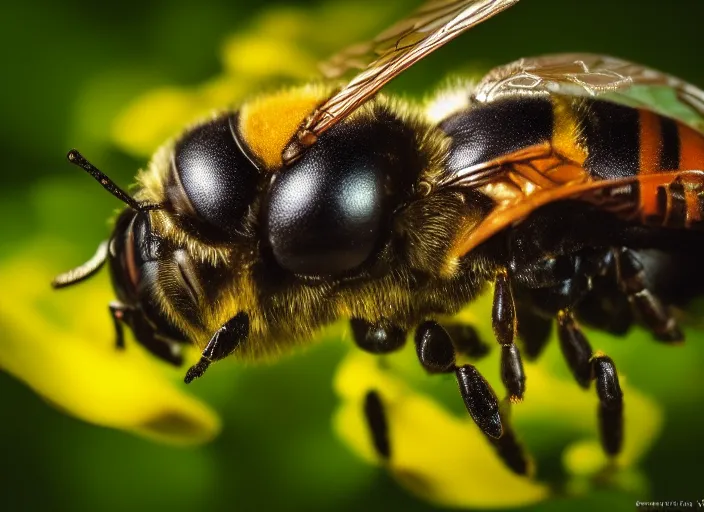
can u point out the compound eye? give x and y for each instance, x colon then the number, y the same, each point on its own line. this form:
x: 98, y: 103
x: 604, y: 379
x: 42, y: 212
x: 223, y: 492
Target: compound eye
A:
x: 132, y: 247
x: 215, y: 182
x: 324, y: 215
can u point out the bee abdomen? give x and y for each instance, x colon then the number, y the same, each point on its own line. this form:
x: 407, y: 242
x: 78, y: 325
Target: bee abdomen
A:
x: 623, y: 141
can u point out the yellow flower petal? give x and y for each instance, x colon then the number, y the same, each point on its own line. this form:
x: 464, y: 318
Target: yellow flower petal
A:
x: 163, y: 113
x: 252, y: 55
x: 289, y: 41
x: 61, y: 345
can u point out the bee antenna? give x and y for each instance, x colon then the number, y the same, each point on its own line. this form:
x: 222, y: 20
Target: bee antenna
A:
x: 83, y: 272
x: 77, y: 159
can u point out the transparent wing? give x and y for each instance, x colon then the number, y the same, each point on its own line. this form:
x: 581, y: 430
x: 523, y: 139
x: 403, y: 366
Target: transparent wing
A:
x: 430, y: 17
x: 388, y: 55
x: 622, y: 197
x: 583, y: 74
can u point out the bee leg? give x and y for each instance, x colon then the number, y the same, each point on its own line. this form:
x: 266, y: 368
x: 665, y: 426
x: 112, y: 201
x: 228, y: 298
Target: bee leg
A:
x: 610, y: 404
x: 117, y: 313
x: 480, y: 400
x: 165, y: 350
x: 585, y: 367
x: 508, y: 447
x: 504, y: 325
x: 381, y: 337
x: 434, y: 347
x: 222, y: 344
x: 466, y: 340
x: 375, y: 415
x: 436, y: 353
x: 651, y: 310
x: 575, y: 348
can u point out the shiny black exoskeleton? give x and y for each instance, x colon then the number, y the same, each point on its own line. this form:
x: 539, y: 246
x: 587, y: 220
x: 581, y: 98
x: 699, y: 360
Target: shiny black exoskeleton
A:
x: 323, y: 216
x: 212, y: 182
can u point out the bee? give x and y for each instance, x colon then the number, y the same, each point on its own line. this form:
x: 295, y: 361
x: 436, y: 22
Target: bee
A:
x: 548, y: 179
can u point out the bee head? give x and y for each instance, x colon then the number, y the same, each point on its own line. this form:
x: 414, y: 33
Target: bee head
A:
x: 96, y: 262
x: 134, y: 254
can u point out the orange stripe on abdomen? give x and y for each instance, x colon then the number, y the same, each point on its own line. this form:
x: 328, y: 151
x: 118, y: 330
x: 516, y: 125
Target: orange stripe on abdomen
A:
x: 691, y: 148
x: 650, y: 142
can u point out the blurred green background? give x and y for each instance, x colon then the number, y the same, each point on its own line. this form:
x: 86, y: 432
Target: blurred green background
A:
x: 71, y: 67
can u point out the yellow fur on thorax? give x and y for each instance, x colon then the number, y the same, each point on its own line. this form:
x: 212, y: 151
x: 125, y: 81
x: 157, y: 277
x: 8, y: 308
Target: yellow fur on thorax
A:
x: 268, y: 123
x: 566, y: 130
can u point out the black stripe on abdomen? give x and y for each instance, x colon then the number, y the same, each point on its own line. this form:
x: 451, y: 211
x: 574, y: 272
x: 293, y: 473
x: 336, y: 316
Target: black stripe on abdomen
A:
x: 486, y: 132
x: 612, y: 136
x: 670, y: 155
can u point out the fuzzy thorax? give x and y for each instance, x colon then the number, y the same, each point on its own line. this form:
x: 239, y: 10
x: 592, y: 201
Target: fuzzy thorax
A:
x: 421, y: 280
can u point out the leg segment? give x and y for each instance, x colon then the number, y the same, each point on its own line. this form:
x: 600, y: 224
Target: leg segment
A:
x: 575, y: 348
x: 504, y: 311
x: 652, y: 312
x: 504, y: 325
x: 117, y: 312
x: 610, y: 404
x: 512, y: 374
x: 434, y: 348
x: 223, y: 343
x: 480, y: 400
x: 509, y: 448
x: 378, y: 424
x: 437, y: 355
x: 381, y: 337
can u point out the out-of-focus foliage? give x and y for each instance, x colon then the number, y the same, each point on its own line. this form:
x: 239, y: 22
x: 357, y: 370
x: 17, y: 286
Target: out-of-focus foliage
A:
x: 94, y: 76
x: 280, y: 45
x: 77, y: 368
